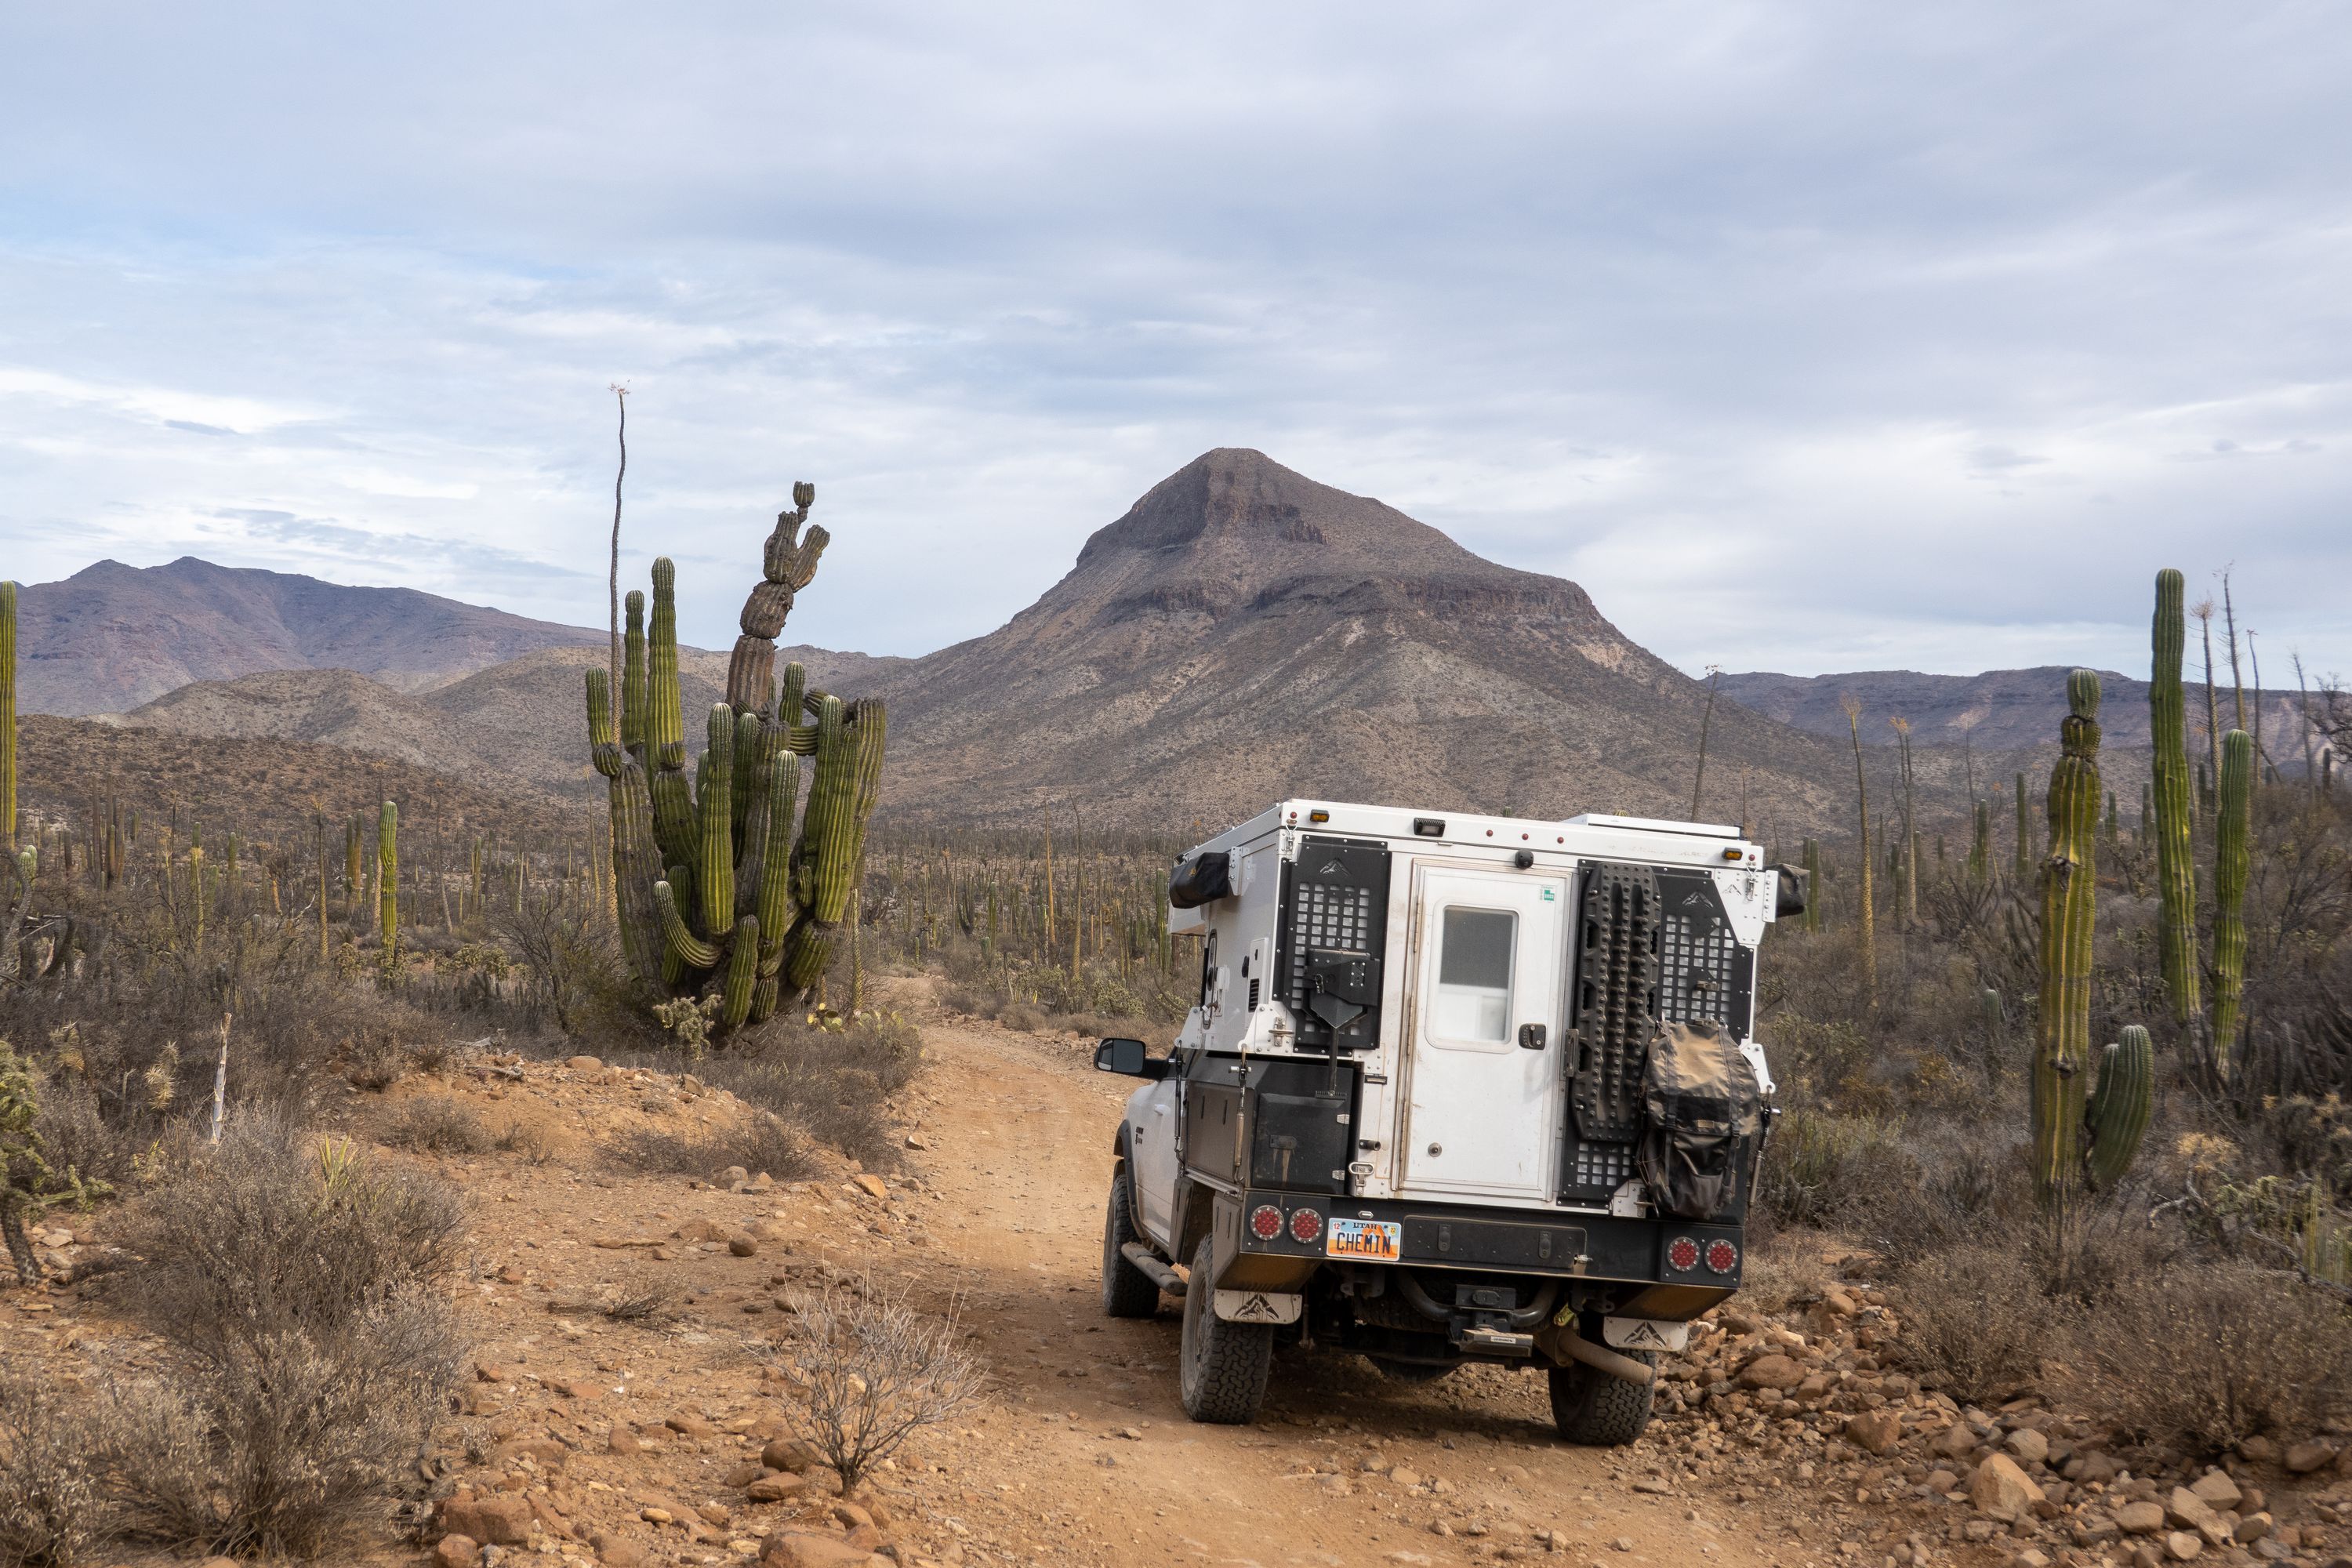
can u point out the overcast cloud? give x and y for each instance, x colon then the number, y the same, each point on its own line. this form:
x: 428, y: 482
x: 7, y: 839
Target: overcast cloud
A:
x: 1807, y: 338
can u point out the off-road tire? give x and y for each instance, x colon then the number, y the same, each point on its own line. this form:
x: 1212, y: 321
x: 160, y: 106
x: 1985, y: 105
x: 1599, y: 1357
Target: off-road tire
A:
x: 1126, y: 1291
x: 1593, y: 1408
x: 1221, y: 1367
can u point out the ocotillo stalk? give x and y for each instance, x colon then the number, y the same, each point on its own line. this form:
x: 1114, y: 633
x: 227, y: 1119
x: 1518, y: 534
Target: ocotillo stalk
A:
x: 2237, y: 672
x: 1812, y: 884
x: 2231, y: 834
x: 1706, y: 720
x: 1852, y: 706
x: 2176, y: 872
x: 2212, y: 768
x: 387, y: 883
x: 2117, y: 1117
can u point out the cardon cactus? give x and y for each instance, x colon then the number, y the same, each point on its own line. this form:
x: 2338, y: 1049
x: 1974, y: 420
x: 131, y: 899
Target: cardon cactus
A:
x: 2176, y: 873
x: 2117, y: 1117
x: 719, y: 893
x: 387, y: 883
x: 2061, y: 1052
x: 2231, y: 833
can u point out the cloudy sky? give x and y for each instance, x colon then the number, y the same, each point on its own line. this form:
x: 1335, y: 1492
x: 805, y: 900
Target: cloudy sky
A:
x: 1805, y: 337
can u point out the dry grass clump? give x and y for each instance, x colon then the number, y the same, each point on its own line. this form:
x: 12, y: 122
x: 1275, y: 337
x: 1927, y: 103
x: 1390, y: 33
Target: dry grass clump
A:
x: 875, y: 1373
x: 1820, y: 1168
x: 2197, y: 1356
x: 437, y: 1124
x: 528, y: 1141
x: 759, y: 1143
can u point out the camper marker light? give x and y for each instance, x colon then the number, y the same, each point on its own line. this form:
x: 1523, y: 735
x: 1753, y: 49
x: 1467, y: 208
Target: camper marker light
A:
x: 1305, y: 1226
x: 1682, y: 1254
x: 1722, y: 1256
x: 1318, y: 817
x: 1428, y: 827
x: 1266, y: 1222
x: 1733, y: 854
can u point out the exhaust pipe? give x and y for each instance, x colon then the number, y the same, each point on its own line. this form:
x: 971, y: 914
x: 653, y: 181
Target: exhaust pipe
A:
x: 1563, y: 1343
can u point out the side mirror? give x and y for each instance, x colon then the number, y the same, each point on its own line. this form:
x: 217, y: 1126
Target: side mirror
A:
x: 1789, y: 898
x: 1130, y: 1057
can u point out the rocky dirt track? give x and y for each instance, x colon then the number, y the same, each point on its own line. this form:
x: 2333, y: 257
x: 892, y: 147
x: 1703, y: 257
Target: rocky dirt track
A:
x: 588, y: 1438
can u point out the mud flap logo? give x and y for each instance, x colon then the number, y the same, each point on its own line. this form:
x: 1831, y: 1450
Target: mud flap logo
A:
x: 1258, y: 1306
x: 1646, y: 1337
x: 1642, y: 1334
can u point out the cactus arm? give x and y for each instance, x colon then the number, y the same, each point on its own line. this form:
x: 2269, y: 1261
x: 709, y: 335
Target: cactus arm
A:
x: 2231, y: 834
x: 751, y: 751
x: 2176, y: 873
x: 714, y: 877
x: 777, y: 908
x: 2069, y: 878
x: 841, y: 799
x: 604, y: 746
x: 666, y: 725
x: 2118, y: 1113
x: 688, y: 948
x: 632, y: 676
x: 788, y: 564
x: 742, y: 973
x: 753, y: 809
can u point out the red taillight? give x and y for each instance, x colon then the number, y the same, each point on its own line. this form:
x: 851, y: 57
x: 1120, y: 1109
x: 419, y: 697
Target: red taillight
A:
x: 1682, y: 1254
x: 1305, y: 1226
x: 1266, y: 1222
x: 1722, y: 1256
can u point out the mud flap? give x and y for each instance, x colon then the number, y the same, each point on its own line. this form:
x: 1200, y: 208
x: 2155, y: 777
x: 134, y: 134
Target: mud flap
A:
x: 1259, y: 1306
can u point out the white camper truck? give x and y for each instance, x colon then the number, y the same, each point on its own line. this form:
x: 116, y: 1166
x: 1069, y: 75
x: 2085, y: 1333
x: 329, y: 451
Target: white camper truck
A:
x: 1457, y: 1089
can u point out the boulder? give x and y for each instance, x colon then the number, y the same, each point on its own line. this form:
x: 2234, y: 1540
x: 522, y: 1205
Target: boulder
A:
x: 870, y: 1185
x: 1874, y: 1431
x: 457, y: 1551
x: 502, y: 1519
x: 585, y: 1064
x: 2029, y: 1446
x: 2182, y: 1546
x: 789, y: 1454
x: 1955, y: 1442
x: 776, y: 1486
x: 1777, y: 1371
x: 2215, y: 1489
x: 2140, y: 1518
x: 2002, y: 1490
x: 797, y: 1549
x: 2314, y: 1454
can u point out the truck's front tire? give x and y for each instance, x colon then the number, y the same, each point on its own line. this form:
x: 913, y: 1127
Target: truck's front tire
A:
x: 1126, y: 1291
x: 1224, y: 1367
x: 1591, y: 1407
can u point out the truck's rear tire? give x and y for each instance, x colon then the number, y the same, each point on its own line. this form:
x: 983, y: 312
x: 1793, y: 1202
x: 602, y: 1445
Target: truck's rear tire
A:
x: 1222, y: 1366
x: 1591, y: 1407
x: 1126, y: 1291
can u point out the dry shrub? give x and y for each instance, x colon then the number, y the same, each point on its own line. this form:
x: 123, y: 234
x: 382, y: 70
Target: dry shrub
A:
x: 1976, y: 1321
x: 1776, y: 1274
x: 877, y: 1372
x: 649, y: 1301
x: 1820, y: 1167
x: 53, y: 1504
x: 830, y: 1083
x: 2199, y: 1356
x: 301, y: 1293
x: 528, y: 1141
x: 757, y: 1142
x: 437, y: 1124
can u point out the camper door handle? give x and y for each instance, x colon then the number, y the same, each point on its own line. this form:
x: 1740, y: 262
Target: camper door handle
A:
x: 1531, y: 1036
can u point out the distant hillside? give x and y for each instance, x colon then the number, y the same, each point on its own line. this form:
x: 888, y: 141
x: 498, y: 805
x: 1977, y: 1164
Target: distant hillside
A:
x: 112, y: 636
x: 269, y: 787
x: 1243, y: 633
x: 1999, y: 710
x: 523, y: 720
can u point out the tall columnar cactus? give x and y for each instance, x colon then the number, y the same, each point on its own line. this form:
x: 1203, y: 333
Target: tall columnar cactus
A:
x: 2230, y: 834
x: 2024, y: 858
x: 8, y: 714
x: 2062, y: 1051
x: 387, y: 883
x: 719, y: 894
x: 2176, y: 873
x: 1980, y: 846
x: 2116, y: 1116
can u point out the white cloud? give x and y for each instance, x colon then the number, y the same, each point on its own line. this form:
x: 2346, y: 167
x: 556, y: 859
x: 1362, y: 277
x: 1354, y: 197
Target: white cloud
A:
x: 1804, y: 336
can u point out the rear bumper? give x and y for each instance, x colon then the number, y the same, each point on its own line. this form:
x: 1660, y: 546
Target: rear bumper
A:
x: 1544, y: 1243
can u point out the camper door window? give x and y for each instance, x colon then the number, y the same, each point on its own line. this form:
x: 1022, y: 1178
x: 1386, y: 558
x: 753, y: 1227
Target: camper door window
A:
x: 1474, y: 976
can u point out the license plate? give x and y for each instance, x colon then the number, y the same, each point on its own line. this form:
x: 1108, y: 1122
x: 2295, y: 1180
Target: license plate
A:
x: 1373, y: 1240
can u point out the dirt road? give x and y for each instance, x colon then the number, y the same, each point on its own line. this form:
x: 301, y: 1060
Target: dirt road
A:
x: 1346, y: 1468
